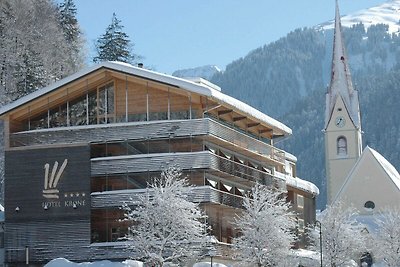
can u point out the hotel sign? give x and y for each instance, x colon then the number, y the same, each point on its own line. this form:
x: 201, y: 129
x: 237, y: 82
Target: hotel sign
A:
x: 50, y: 190
x: 48, y: 182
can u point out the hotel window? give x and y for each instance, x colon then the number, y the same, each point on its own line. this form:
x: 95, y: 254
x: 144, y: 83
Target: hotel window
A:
x: 300, y: 201
x: 342, y: 146
x: 105, y: 103
x: 77, y: 111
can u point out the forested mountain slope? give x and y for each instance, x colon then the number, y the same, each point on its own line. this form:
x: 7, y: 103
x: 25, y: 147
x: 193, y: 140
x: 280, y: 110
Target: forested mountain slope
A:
x: 288, y: 80
x: 278, y: 72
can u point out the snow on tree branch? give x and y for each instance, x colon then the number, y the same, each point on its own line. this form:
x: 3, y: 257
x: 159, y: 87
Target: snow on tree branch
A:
x: 342, y: 237
x: 166, y: 227
x: 266, y: 226
x: 387, y: 238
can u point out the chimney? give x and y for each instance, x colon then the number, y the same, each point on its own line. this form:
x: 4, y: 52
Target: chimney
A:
x: 140, y: 65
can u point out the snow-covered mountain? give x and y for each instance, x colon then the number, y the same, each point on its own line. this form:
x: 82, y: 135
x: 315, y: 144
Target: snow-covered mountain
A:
x: 205, y: 72
x: 386, y: 13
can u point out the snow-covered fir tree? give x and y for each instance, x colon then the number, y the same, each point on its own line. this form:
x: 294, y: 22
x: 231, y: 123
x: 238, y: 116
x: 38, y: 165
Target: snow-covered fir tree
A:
x: 387, y: 238
x: 114, y: 44
x: 72, y: 33
x: 166, y: 227
x: 343, y: 240
x: 266, y: 226
x: 34, y: 51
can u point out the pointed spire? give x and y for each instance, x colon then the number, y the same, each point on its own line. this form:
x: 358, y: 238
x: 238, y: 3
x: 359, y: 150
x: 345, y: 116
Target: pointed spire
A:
x: 341, y: 84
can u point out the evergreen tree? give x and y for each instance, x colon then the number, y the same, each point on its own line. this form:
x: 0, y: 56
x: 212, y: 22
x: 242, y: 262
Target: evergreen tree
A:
x: 34, y: 51
x: 114, y: 44
x: 30, y: 74
x: 68, y: 22
x: 72, y: 33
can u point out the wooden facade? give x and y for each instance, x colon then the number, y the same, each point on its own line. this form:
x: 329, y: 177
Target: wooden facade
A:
x: 86, y: 144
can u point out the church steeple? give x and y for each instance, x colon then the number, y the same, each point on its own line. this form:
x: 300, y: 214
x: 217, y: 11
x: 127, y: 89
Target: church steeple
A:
x: 343, y: 142
x: 341, y: 84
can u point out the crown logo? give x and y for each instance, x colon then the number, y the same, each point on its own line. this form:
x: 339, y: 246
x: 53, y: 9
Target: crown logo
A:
x: 50, y: 183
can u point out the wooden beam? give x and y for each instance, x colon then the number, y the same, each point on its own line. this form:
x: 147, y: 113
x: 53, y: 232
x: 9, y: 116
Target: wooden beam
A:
x: 251, y: 125
x: 223, y: 112
x: 239, y: 118
x: 265, y: 131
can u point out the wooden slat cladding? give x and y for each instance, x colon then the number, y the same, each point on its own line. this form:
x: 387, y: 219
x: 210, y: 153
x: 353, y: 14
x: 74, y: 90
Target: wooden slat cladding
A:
x: 112, y: 132
x: 148, y: 130
x: 157, y: 162
x: 198, y: 194
x: 206, y: 160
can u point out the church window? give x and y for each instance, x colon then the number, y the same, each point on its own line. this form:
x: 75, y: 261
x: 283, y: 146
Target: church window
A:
x: 342, y: 146
x: 369, y: 205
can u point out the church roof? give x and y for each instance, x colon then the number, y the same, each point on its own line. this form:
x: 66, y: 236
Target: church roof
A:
x: 341, y: 84
x: 387, y: 166
x: 383, y: 163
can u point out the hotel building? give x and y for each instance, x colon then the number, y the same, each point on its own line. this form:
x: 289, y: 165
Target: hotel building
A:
x: 77, y: 149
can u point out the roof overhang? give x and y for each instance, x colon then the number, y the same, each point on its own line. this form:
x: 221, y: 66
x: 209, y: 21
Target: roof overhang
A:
x: 205, y: 89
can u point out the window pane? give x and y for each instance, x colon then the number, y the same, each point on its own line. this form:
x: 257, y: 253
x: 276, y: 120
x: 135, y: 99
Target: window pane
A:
x: 39, y: 122
x: 106, y: 103
x: 58, y: 116
x: 77, y: 111
x: 93, y: 107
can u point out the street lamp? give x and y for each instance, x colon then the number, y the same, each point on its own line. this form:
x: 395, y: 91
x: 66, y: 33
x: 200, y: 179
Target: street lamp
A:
x: 318, y: 223
x: 212, y: 253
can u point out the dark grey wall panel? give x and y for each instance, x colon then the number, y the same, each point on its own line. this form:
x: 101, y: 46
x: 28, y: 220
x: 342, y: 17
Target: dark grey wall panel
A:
x: 47, y: 240
x: 52, y: 220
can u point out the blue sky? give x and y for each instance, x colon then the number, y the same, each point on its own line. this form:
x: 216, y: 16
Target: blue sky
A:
x: 177, y: 34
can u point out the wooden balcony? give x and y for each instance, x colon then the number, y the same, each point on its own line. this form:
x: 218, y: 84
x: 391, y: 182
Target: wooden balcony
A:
x: 203, y: 160
x: 212, y: 131
x: 198, y: 194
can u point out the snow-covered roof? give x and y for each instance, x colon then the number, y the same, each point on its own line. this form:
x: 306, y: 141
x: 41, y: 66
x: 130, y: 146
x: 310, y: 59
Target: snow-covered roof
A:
x: 302, y: 185
x: 388, y: 168
x: 290, y: 157
x: 202, y: 88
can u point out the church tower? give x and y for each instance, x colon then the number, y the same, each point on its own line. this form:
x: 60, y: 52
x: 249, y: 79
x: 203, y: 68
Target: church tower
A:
x: 342, y: 129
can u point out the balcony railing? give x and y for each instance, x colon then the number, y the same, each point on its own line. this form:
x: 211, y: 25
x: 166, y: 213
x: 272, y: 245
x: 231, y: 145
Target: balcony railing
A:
x: 198, y: 194
x: 204, y: 160
x: 146, y: 131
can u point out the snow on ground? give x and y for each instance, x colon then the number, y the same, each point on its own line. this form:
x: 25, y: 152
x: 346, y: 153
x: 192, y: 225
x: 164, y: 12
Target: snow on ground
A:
x: 208, y: 264
x: 61, y: 262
